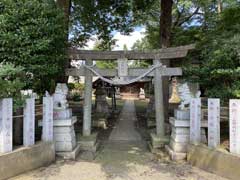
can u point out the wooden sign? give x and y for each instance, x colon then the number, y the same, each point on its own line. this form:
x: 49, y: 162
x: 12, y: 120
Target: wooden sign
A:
x: 195, y: 121
x: 234, y: 116
x: 213, y: 122
x: 6, y: 113
x: 29, y: 123
x: 122, y: 67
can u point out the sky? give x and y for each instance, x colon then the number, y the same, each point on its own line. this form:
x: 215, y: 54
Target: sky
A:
x: 129, y: 40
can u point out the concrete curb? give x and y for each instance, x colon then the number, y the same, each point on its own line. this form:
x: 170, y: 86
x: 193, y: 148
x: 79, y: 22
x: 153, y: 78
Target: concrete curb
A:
x: 215, y: 161
x: 25, y: 159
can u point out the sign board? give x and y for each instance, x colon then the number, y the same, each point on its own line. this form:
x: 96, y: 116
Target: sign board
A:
x: 213, y: 122
x: 122, y: 67
x: 195, y: 121
x: 234, y: 116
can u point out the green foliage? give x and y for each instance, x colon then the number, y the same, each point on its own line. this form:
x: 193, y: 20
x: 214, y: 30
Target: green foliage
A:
x: 219, y: 54
x: 101, y: 18
x: 11, y: 82
x: 32, y: 36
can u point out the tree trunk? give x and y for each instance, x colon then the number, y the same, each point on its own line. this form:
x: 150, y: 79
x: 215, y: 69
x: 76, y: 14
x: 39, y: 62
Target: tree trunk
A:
x: 65, y: 5
x: 165, y: 41
x: 219, y: 6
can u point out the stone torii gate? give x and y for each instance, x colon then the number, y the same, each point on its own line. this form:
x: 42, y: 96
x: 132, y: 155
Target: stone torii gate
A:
x: 158, y: 57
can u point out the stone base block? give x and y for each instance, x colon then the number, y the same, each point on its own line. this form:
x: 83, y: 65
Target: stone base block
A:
x: 88, y: 146
x: 178, y: 147
x: 59, y: 130
x: 184, y: 138
x: 65, y: 146
x: 70, y: 155
x: 158, y: 142
x: 58, y: 137
x: 184, y: 123
x: 100, y: 123
x: 182, y: 114
x: 175, y: 156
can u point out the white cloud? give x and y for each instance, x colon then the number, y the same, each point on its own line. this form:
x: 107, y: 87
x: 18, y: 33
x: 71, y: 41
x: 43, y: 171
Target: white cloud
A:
x: 128, y: 40
x: 121, y: 39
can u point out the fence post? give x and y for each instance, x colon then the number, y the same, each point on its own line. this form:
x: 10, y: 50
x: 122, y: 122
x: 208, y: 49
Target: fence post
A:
x: 213, y: 122
x: 6, y: 117
x: 47, y: 123
x: 234, y: 120
x: 29, y: 122
x: 195, y: 121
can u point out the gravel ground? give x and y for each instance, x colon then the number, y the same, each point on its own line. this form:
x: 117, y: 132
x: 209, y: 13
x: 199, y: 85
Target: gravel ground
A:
x: 120, y: 161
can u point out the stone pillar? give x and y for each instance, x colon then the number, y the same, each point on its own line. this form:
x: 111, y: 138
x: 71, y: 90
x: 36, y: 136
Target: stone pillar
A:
x: 158, y: 139
x: 213, y: 123
x: 29, y: 122
x: 158, y: 93
x: 87, y: 107
x: 47, y: 124
x: 6, y: 122
x: 195, y: 121
x: 234, y: 118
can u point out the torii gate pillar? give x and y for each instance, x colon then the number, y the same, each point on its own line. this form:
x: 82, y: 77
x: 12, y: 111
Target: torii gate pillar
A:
x: 87, y: 107
x: 158, y: 139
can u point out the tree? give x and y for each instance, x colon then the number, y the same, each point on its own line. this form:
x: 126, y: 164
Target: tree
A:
x: 32, y: 35
x: 219, y: 69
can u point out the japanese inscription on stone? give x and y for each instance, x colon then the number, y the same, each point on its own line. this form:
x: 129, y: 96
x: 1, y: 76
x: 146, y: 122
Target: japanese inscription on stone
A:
x: 234, y: 116
x: 29, y: 123
x: 213, y: 122
x: 122, y: 67
x: 6, y: 113
x: 47, y: 123
x: 195, y: 121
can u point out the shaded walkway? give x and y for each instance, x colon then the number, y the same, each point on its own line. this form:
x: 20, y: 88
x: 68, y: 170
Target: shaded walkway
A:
x: 125, y: 128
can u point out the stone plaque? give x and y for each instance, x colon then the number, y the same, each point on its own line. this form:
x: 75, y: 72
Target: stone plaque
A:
x: 234, y: 116
x: 122, y: 67
x: 213, y: 122
x: 47, y: 126
x: 6, y: 113
x: 29, y: 123
x: 195, y: 121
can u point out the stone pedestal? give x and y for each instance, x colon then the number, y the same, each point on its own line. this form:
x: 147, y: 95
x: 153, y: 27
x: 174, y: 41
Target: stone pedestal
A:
x: 157, y: 142
x: 65, y: 138
x: 180, y: 123
x: 88, y: 146
x: 63, y: 125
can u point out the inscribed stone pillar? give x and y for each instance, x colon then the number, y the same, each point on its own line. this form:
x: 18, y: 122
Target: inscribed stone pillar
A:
x: 47, y: 123
x: 213, y: 122
x: 159, y: 108
x: 195, y: 121
x: 6, y: 113
x: 29, y: 122
x: 234, y: 116
x: 87, y: 108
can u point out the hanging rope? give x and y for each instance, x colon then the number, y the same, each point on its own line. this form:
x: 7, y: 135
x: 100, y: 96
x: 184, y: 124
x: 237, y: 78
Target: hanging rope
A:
x: 121, y: 81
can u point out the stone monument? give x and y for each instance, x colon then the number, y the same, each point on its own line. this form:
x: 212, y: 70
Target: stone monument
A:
x: 63, y: 123
x: 142, y: 94
x: 118, y: 94
x: 101, y: 108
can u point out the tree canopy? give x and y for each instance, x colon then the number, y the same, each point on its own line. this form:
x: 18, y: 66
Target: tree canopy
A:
x: 32, y: 35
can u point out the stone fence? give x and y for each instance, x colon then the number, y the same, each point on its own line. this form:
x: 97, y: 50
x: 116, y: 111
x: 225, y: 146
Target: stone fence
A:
x: 6, y: 123
x: 189, y: 127
x: 213, y: 123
